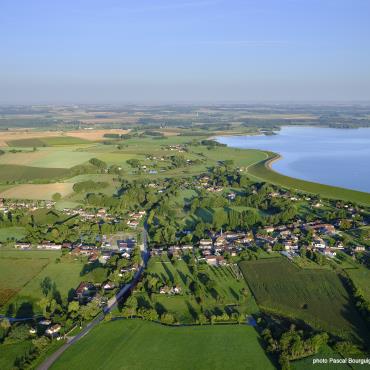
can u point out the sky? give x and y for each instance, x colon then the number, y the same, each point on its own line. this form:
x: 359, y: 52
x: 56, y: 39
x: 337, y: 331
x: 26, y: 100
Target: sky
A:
x: 184, y: 51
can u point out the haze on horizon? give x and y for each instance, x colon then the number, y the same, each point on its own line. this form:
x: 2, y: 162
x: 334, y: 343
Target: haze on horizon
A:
x: 90, y: 51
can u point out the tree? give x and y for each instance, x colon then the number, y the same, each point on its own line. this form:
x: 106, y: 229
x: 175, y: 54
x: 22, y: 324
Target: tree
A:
x: 167, y: 318
x: 46, y: 285
x: 56, y: 197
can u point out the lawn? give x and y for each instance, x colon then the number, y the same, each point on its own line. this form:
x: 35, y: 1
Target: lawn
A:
x: 37, y: 191
x: 135, y: 344
x: 262, y: 171
x: 16, y: 233
x: 316, y: 296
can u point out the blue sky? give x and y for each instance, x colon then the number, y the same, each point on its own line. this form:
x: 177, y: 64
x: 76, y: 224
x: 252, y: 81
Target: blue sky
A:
x: 89, y: 51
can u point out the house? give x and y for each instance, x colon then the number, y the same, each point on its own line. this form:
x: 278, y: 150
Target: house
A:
x: 23, y: 246
x: 45, y: 322
x: 290, y: 245
x: 49, y: 246
x: 85, y: 292
x: 231, y: 196
x: 215, y: 260
x: 205, y: 244
x: 359, y: 248
x: 265, y: 239
x: 53, y: 330
x: 319, y: 243
x: 168, y: 290
x: 327, y: 252
x: 109, y: 285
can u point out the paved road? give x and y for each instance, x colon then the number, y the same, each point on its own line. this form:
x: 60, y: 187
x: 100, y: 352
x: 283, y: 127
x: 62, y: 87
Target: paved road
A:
x: 111, y: 304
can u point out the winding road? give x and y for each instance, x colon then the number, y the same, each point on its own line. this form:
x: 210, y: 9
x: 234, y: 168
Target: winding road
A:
x: 111, y: 304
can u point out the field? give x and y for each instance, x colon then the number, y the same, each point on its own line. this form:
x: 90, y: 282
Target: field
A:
x: 37, y: 191
x: 15, y: 273
x: 262, y: 170
x: 361, y: 277
x: 47, y: 158
x: 135, y: 344
x: 15, y: 233
x: 21, y: 273
x: 9, y: 172
x: 316, y: 296
x: 65, y: 275
x: 46, y: 141
x: 9, y: 352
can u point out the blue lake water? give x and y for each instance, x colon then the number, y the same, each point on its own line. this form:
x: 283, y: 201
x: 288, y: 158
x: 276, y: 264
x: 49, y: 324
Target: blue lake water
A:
x: 330, y: 156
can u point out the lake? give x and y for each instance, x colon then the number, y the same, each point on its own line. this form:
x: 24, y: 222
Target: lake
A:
x: 338, y: 157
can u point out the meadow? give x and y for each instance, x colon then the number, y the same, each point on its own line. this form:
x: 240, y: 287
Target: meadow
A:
x: 46, y: 141
x: 21, y: 273
x: 12, y: 233
x: 136, y: 344
x: 15, y: 273
x: 360, y: 277
x: 65, y: 273
x: 317, y: 297
x: 13, y: 173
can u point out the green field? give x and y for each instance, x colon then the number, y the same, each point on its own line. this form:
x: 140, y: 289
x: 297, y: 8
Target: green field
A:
x: 13, y: 172
x: 361, y: 279
x: 21, y: 273
x: 316, y: 296
x: 262, y: 171
x: 65, y: 275
x: 15, y: 273
x: 9, y: 352
x: 47, y: 141
x: 16, y: 233
x: 135, y: 344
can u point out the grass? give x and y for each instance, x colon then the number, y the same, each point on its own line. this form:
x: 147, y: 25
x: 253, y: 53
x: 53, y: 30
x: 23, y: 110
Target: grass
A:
x: 16, y: 233
x: 65, y: 275
x: 9, y: 352
x: 15, y: 273
x: 37, y: 191
x: 13, y: 172
x: 21, y: 273
x: 317, y: 297
x: 262, y: 171
x: 47, y: 141
x: 135, y: 344
x: 360, y: 277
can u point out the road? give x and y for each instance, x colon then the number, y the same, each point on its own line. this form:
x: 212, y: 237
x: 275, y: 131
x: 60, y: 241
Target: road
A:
x: 111, y: 304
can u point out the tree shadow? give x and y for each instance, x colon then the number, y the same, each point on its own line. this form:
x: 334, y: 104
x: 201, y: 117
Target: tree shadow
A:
x: 160, y: 308
x: 192, y: 311
x: 234, y: 293
x: 168, y: 272
x: 25, y: 310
